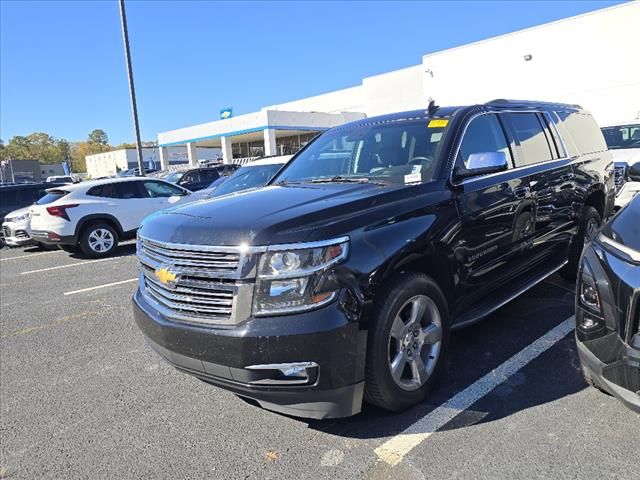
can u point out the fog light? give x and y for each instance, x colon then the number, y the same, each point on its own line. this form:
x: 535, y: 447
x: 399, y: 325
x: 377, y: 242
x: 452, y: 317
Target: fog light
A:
x: 295, y: 373
x: 588, y: 323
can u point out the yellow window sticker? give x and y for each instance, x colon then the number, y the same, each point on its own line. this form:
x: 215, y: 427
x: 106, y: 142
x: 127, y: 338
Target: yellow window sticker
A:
x: 439, y: 123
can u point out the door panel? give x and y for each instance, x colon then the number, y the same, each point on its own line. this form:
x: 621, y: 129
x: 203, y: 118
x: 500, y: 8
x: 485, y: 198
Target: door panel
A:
x: 551, y: 179
x: 489, y: 246
x: 161, y: 195
x: 490, y: 207
x: 129, y: 205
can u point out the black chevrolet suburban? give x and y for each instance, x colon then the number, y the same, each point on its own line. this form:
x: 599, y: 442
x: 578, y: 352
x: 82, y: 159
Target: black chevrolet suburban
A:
x: 341, y: 280
x: 608, y: 307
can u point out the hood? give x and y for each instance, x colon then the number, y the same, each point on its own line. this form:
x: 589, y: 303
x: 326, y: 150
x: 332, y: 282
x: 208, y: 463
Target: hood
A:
x: 627, y: 155
x: 286, y: 214
x: 625, y: 226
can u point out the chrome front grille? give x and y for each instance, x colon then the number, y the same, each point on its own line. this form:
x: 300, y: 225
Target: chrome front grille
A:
x: 197, y: 283
x: 619, y: 175
x: 192, y: 300
x: 6, y: 231
x: 191, y: 257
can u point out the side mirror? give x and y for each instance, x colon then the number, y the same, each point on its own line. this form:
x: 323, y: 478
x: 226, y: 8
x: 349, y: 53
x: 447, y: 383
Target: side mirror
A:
x: 483, y: 163
x: 634, y: 172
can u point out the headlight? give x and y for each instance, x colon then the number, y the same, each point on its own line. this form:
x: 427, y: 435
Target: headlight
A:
x: 591, y: 317
x: 290, y: 277
x: 589, y: 296
x: 19, y: 218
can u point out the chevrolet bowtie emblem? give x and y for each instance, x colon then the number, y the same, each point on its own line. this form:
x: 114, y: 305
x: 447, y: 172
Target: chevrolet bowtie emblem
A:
x: 165, y: 276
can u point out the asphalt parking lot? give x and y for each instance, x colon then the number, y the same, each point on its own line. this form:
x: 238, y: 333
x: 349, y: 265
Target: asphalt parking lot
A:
x: 82, y: 396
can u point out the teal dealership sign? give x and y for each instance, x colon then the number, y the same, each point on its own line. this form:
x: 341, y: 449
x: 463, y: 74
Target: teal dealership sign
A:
x: 226, y: 113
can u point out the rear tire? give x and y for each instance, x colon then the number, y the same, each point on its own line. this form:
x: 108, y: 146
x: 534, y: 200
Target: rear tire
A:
x: 98, y: 240
x: 412, y: 345
x: 590, y: 221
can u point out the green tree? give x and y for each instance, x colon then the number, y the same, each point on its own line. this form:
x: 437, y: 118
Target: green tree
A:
x: 65, y: 149
x: 36, y: 146
x: 98, y: 136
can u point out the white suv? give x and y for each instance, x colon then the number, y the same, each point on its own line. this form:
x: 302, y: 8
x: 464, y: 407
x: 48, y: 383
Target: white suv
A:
x: 95, y: 215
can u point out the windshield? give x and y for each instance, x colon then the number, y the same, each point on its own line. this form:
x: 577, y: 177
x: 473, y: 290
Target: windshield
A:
x: 247, y: 177
x: 174, y: 177
x: 622, y: 136
x: 401, y: 151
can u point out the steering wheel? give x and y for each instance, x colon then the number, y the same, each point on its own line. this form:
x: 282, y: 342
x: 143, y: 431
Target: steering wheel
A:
x: 419, y: 160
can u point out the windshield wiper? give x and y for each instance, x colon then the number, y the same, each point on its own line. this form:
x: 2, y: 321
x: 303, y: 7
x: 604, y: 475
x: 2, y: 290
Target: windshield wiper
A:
x: 340, y: 179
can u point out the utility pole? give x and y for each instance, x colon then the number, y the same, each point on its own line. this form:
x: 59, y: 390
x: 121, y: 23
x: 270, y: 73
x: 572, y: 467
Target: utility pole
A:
x: 132, y: 91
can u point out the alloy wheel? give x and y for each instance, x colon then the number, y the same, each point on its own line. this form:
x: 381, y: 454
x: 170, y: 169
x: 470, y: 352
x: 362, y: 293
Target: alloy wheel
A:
x: 414, y: 342
x: 101, y: 240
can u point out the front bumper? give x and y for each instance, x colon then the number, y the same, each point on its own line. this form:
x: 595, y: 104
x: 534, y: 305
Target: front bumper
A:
x: 16, y: 235
x: 610, y: 350
x: 620, y: 374
x: 221, y: 355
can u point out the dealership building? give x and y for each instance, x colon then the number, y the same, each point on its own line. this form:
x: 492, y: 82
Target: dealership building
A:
x: 592, y: 60
x: 110, y: 163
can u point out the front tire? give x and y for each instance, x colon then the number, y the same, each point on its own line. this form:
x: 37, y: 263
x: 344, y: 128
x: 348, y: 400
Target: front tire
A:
x: 98, y: 240
x: 408, y: 342
x: 590, y: 222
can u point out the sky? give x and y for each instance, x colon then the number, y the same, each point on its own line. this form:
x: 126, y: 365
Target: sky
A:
x: 62, y: 67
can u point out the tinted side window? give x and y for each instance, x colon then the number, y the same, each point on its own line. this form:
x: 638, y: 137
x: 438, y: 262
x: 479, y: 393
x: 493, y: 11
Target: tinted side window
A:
x: 584, y: 132
x: 483, y: 135
x: 105, y: 191
x: 191, y: 177
x: 208, y: 175
x: 532, y: 137
x: 127, y: 190
x: 8, y: 197
x: 34, y: 194
x: 161, y: 189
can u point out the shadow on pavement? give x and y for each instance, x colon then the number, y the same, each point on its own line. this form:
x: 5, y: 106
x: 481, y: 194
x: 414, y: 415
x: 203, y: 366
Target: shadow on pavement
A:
x: 477, y: 350
x: 126, y: 250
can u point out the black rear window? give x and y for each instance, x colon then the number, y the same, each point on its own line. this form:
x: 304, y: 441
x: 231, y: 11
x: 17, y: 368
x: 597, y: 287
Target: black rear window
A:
x: 52, y: 196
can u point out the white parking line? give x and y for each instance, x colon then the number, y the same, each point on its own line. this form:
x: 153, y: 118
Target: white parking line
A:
x: 100, y: 286
x: 71, y: 265
x: 396, y: 448
x: 31, y: 255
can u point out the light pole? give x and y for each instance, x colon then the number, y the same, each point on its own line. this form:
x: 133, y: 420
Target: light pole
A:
x: 132, y: 90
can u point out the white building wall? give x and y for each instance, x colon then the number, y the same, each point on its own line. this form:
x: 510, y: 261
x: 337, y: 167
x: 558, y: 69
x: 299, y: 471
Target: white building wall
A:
x: 394, y: 91
x: 110, y: 163
x: 345, y: 100
x: 319, y: 120
x: 592, y: 60
x: 386, y: 93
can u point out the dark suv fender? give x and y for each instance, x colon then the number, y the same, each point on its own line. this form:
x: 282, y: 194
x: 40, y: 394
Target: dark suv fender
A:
x: 596, y: 197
